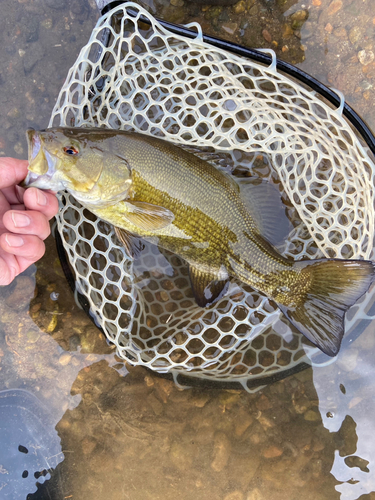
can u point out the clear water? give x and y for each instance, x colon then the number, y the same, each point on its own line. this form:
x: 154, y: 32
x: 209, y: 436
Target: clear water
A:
x: 99, y: 429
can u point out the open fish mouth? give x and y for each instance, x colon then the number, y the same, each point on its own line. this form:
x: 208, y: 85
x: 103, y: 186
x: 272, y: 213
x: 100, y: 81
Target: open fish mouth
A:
x: 42, y: 165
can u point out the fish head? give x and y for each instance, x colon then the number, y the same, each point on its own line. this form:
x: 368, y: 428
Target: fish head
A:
x: 79, y: 161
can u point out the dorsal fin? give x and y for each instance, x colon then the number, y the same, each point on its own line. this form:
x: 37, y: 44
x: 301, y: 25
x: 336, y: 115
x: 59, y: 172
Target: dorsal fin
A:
x: 265, y: 206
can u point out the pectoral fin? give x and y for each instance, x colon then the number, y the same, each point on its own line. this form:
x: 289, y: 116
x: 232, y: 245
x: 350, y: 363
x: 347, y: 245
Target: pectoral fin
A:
x: 207, y: 286
x: 147, y: 216
x: 132, y: 244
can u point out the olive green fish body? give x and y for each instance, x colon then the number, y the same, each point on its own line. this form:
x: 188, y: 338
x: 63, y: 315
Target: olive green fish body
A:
x: 212, y: 226
x: 147, y: 187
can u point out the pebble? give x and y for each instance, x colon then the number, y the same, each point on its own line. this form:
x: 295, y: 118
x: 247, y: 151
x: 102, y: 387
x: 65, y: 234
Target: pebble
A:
x: 263, y: 403
x: 47, y: 23
x: 272, y: 452
x: 287, y: 31
x: 221, y: 452
x: 355, y: 34
x: 177, y: 3
x: 18, y: 148
x: 334, y: 7
x: 365, y: 57
x: 14, y: 113
x: 298, y: 19
x: 267, y: 36
x: 88, y: 444
x: 235, y: 495
x: 230, y: 28
x: 200, y: 400
x: 311, y: 416
x: 348, y: 360
x: 253, y: 11
x: 22, y: 293
x: 255, y: 494
x: 239, y: 7
x: 32, y: 336
x: 328, y: 28
x: 181, y: 456
x: 242, y: 424
x: 155, y: 404
x: 56, y: 4
x: 65, y: 358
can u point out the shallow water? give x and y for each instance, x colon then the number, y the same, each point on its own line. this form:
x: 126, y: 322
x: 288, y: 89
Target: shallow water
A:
x: 125, y: 432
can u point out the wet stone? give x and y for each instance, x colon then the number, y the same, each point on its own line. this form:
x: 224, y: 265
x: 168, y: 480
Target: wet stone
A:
x: 365, y: 57
x: 56, y: 4
x: 355, y: 35
x: 33, y: 54
x: 239, y: 7
x: 311, y: 416
x: 230, y: 28
x: 221, y: 452
x: 32, y: 336
x: 272, y: 452
x: 155, y: 404
x: 255, y: 494
x: 334, y: 7
x: 88, y: 445
x: 235, y: 495
x: 65, y: 358
x: 22, y: 293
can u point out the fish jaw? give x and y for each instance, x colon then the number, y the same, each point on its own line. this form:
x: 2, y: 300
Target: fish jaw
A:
x: 42, y: 170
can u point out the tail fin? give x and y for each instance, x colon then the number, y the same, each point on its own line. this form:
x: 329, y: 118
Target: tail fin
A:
x: 335, y: 285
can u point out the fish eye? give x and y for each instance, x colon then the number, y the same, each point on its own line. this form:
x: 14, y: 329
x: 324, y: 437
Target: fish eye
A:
x: 71, y: 150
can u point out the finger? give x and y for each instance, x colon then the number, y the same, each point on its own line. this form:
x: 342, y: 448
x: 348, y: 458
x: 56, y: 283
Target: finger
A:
x: 9, y: 268
x: 4, y: 205
x: 27, y: 222
x: 12, y: 171
x: 42, y: 201
x: 17, y: 207
x: 14, y: 194
x: 27, y: 248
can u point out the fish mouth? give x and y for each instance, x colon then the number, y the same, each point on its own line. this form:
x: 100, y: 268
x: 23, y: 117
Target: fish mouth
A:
x: 42, y: 165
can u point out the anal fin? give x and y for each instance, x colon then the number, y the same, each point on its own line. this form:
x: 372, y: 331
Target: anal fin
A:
x: 207, y: 286
x: 132, y: 244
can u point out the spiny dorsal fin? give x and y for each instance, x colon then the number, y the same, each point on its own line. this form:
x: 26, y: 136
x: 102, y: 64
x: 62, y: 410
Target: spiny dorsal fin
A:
x: 147, y: 216
x: 207, y: 286
x: 266, y: 208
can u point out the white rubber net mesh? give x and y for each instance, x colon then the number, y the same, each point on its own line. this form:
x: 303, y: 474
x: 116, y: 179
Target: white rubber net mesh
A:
x: 247, y: 119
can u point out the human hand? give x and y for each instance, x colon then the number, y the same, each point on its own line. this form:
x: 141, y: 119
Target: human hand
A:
x: 24, y: 219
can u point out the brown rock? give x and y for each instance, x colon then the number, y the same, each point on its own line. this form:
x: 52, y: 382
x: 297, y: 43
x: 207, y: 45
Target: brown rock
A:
x: 235, y: 495
x: 272, y: 452
x: 88, y: 444
x: 267, y: 36
x: 22, y: 293
x: 221, y: 452
x: 263, y: 403
x: 334, y: 7
x: 244, y: 420
x: 239, y: 7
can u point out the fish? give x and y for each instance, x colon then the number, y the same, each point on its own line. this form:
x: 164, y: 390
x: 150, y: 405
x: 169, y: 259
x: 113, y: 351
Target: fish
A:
x: 149, y: 188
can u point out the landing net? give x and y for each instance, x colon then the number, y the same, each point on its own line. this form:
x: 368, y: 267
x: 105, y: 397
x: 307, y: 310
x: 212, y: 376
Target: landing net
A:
x: 247, y: 119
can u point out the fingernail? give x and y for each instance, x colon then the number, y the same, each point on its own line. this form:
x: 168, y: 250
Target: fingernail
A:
x: 14, y: 240
x: 20, y: 220
x: 41, y: 197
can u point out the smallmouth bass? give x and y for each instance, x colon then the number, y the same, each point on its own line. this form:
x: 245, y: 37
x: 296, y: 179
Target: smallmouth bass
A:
x: 152, y: 189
